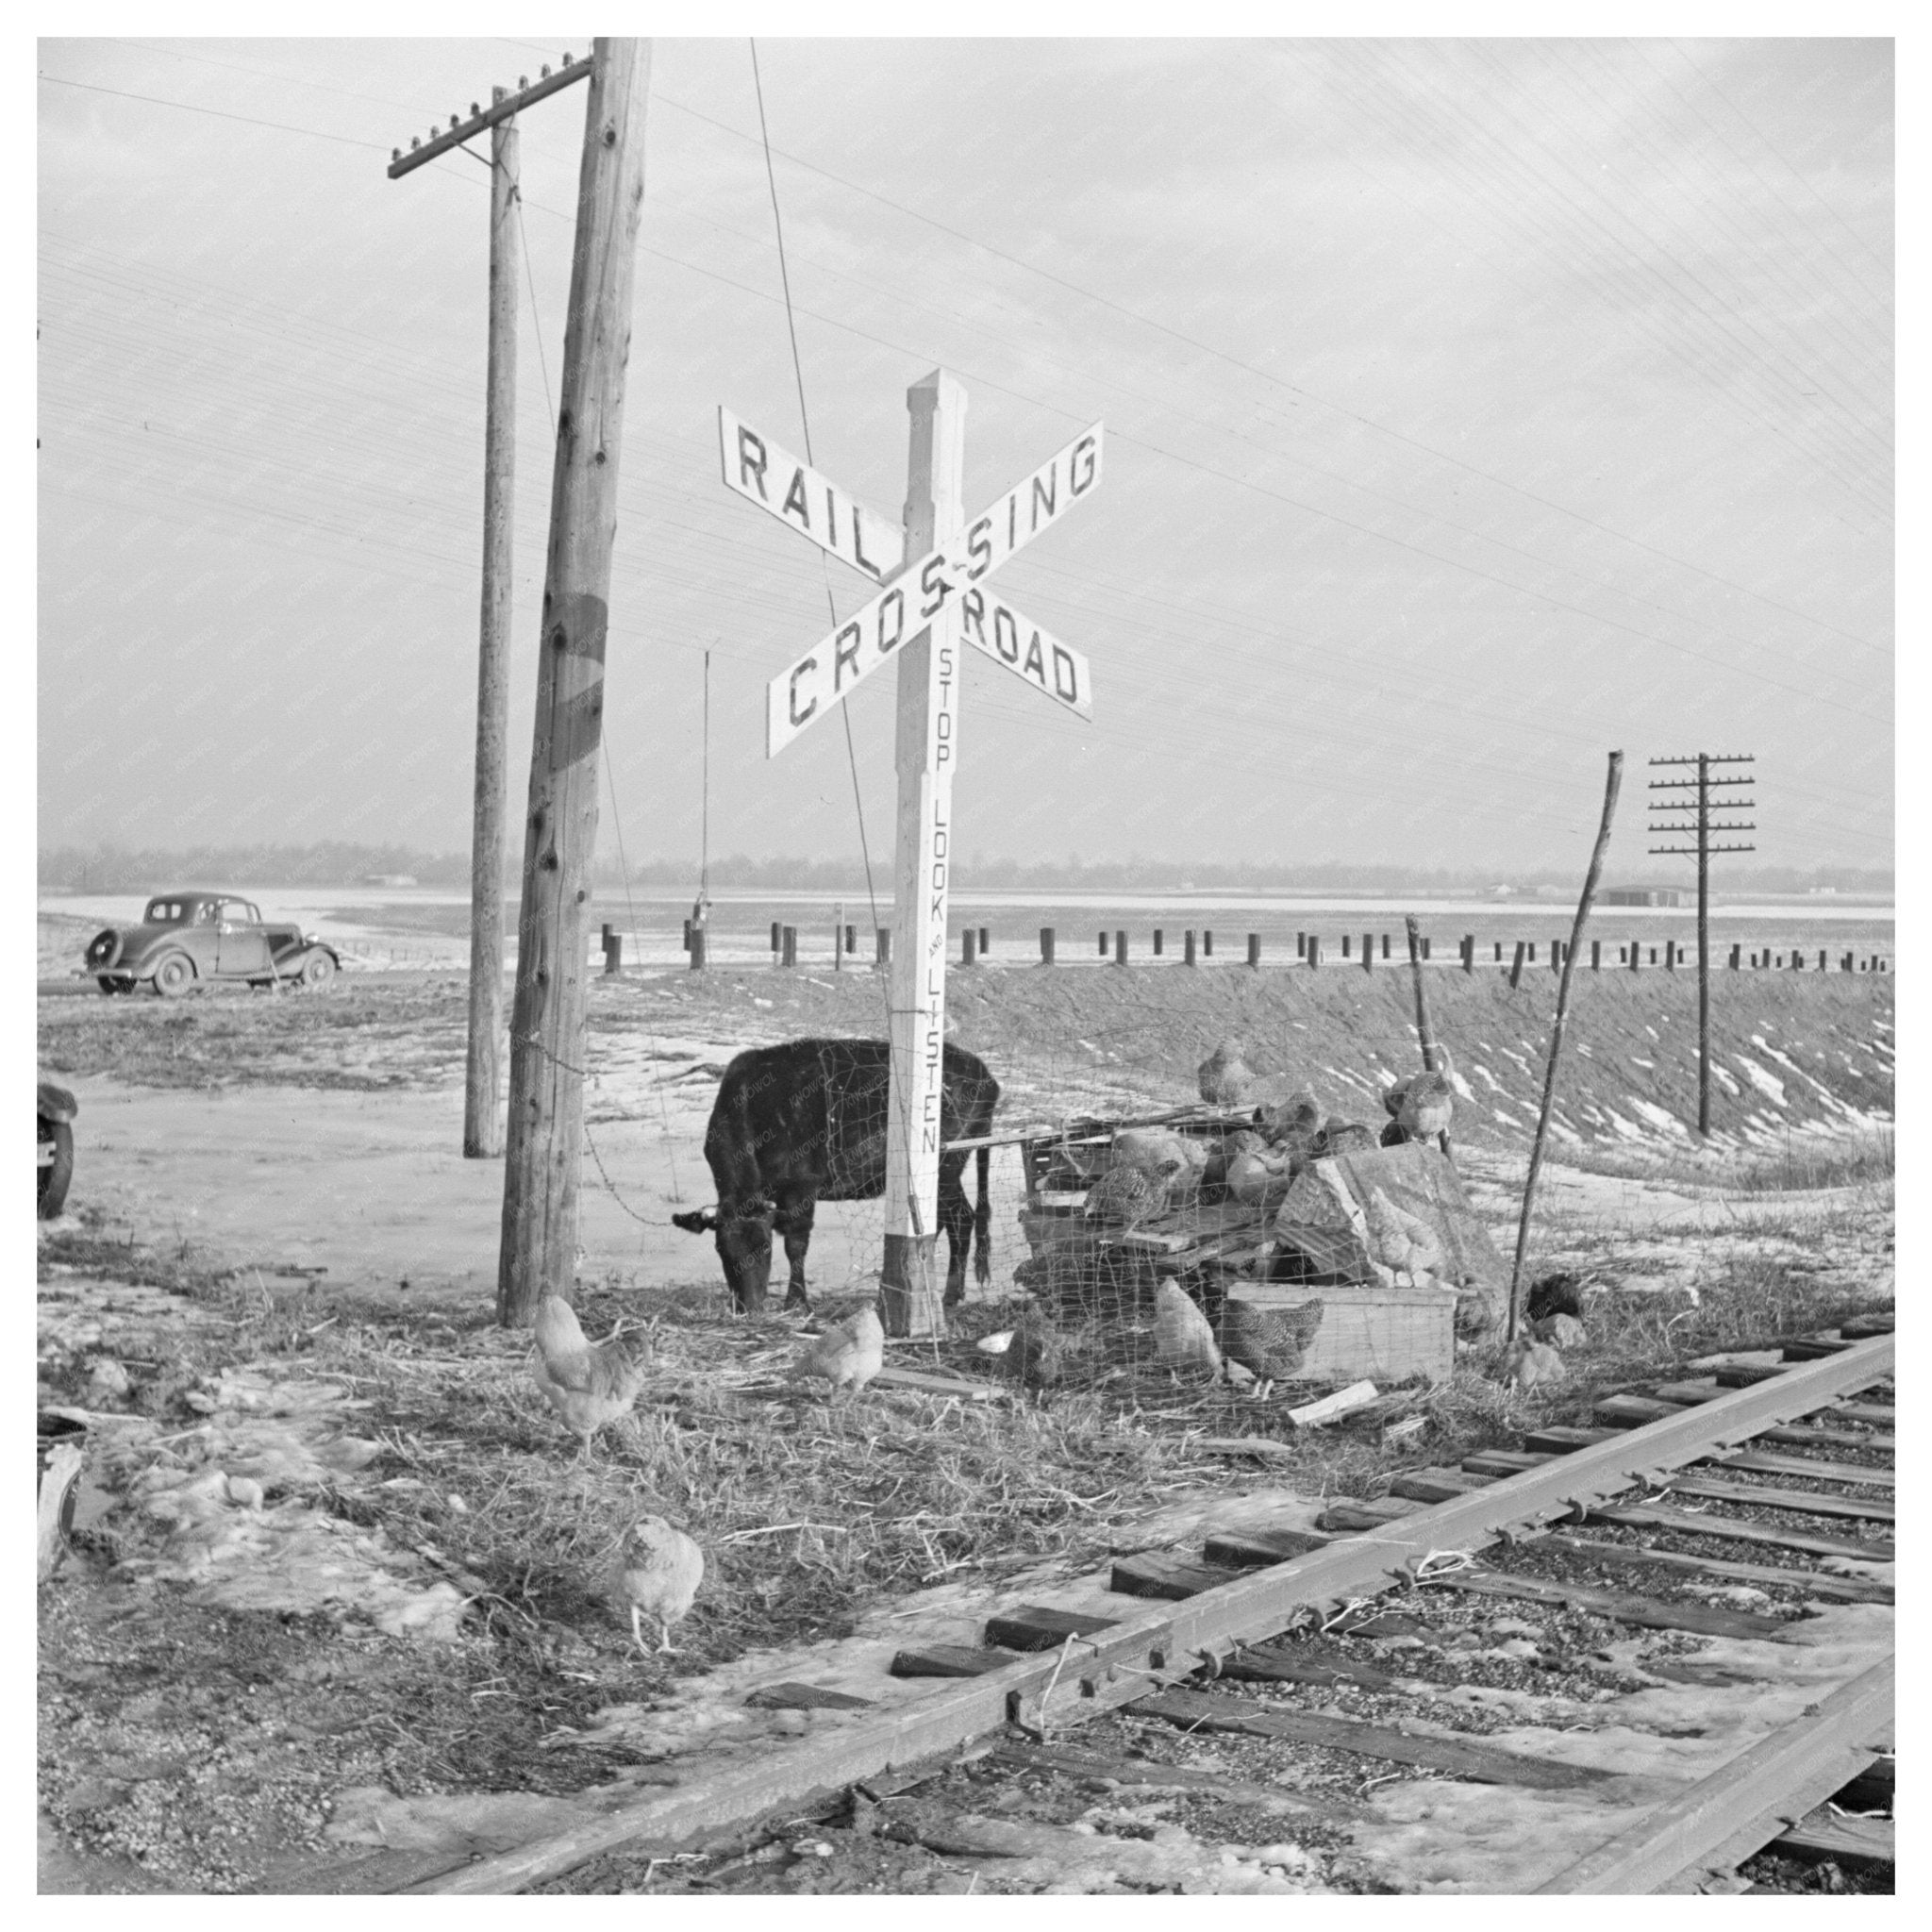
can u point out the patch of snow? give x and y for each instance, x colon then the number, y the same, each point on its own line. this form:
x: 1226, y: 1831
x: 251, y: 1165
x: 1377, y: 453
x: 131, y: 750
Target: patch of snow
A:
x: 1463, y: 1090
x: 1495, y: 1085
x: 1767, y: 1084
x: 1667, y: 1122
x: 1635, y: 1062
x: 1723, y: 1077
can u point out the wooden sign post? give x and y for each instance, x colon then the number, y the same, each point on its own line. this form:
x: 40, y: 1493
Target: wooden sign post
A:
x: 926, y: 610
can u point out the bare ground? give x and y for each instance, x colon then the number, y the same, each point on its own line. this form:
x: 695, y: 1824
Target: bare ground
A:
x: 281, y: 1264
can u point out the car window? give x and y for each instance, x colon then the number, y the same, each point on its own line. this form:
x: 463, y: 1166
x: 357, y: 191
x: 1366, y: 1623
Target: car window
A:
x: 209, y: 912
x: 164, y: 913
x: 240, y: 912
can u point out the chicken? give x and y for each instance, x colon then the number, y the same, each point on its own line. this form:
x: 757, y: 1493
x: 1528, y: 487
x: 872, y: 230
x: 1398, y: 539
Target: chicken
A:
x: 1554, y: 1294
x: 1225, y: 1076
x: 1532, y: 1365
x: 848, y: 1354
x: 1560, y: 1331
x: 1125, y: 1196
x: 1403, y: 1241
x: 1268, y: 1342
x: 656, y: 1572
x: 1182, y: 1336
x: 1299, y: 1115
x: 1341, y: 1137
x: 1036, y: 1350
x: 588, y: 1387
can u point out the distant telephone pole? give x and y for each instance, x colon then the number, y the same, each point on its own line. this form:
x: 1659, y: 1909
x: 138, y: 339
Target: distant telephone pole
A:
x: 483, y: 1081
x: 1701, y: 828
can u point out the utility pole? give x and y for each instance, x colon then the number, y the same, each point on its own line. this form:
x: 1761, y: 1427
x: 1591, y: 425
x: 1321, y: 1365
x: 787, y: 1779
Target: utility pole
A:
x: 482, y: 1080
x: 1701, y: 829
x: 537, y: 1255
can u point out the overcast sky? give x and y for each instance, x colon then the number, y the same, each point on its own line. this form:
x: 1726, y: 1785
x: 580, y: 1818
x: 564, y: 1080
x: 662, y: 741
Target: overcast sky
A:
x: 1473, y: 408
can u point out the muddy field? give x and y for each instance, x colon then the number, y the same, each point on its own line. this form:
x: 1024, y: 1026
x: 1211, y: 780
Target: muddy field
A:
x: 333, y: 1609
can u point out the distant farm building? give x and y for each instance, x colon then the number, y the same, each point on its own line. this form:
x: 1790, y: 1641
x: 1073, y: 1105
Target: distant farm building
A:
x: 1643, y: 895
x: 388, y: 878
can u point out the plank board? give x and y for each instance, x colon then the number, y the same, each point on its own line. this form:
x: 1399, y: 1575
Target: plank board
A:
x: 1274, y: 1664
x: 1633, y: 1411
x: 1805, y: 1436
x: 1748, y: 1374
x: 1035, y: 1626
x: 1768, y: 1496
x: 1198, y: 1711
x: 1098, y: 1768
x: 949, y: 1660
x: 791, y: 1696
x: 1860, y: 1328
x: 1879, y: 1414
x: 1153, y: 1573
x: 1504, y: 1462
x: 1759, y: 1463
x: 938, y: 1385
x: 1849, y: 1590
x: 1824, y: 1834
x: 1560, y: 1440
x: 1435, y: 1485
x: 1649, y: 1613
x: 1362, y: 1516
x: 1244, y: 1547
x: 1735, y: 1529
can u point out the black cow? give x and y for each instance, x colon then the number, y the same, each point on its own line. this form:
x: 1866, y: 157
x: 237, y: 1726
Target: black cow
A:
x: 806, y: 1121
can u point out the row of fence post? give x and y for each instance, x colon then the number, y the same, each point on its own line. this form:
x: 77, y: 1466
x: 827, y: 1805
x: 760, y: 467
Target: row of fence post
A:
x: 976, y: 943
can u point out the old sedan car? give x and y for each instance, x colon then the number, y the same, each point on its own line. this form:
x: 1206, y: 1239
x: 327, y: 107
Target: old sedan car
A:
x: 184, y: 937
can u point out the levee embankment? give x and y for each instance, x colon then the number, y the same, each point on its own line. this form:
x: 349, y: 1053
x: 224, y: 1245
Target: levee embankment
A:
x: 1791, y: 1052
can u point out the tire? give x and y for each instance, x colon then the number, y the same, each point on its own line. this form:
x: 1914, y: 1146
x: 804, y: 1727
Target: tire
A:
x: 54, y: 1179
x: 109, y: 984
x: 318, y: 969
x: 173, y: 975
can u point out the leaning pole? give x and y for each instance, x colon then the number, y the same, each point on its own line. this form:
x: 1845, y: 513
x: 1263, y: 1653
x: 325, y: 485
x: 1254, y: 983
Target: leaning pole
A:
x: 545, y: 1121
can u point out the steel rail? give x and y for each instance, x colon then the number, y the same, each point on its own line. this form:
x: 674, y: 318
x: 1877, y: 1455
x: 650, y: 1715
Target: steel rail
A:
x: 1150, y: 1652
x: 1743, y: 1806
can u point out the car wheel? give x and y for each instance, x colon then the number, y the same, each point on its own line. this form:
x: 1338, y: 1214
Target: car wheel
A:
x: 173, y: 975
x: 56, y: 1175
x: 109, y: 984
x: 318, y: 969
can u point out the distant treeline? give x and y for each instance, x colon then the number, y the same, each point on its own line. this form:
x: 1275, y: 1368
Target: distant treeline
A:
x: 120, y: 869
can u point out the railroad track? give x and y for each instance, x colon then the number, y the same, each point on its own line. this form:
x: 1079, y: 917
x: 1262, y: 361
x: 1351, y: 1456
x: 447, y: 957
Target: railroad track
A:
x: 1683, y: 1522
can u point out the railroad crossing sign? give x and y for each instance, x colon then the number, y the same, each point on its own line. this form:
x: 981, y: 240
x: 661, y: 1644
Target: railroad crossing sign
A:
x: 762, y: 472
x: 917, y: 617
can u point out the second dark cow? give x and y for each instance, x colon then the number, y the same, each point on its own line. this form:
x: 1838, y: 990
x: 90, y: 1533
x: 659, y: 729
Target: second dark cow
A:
x: 806, y: 1121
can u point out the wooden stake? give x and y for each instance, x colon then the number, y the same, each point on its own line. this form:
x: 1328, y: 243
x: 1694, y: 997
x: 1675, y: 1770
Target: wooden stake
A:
x: 1421, y: 998
x: 1543, y: 1120
x: 929, y: 749
x: 483, y: 1064
x: 537, y: 1255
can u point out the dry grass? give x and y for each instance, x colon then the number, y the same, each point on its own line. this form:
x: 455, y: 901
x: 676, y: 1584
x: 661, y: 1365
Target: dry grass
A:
x: 1804, y: 1163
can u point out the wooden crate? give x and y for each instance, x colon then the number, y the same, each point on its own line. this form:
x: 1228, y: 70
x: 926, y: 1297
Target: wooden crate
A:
x: 1368, y: 1331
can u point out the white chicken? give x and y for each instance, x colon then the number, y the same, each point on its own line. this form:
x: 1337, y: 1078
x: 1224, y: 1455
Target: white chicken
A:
x: 656, y: 1572
x: 848, y: 1354
x: 1183, y: 1336
x: 1403, y: 1241
x: 587, y: 1386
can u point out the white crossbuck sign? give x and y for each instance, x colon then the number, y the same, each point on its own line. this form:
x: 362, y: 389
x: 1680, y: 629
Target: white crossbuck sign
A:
x: 762, y: 472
